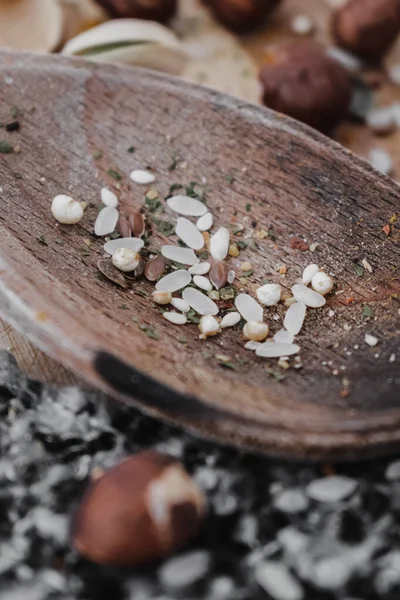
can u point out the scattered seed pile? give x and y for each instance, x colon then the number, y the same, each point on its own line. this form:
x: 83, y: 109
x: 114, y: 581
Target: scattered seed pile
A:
x: 199, y: 282
x: 274, y: 531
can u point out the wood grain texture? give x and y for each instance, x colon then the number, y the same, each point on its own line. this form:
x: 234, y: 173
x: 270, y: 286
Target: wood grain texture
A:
x: 298, y: 183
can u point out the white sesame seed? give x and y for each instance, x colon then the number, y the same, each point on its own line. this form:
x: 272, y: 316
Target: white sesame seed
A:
x: 174, y: 281
x: 346, y: 59
x: 251, y: 345
x: 274, y: 350
x: 175, y: 318
x: 142, y: 177
x: 230, y: 320
x: 201, y: 303
x: 202, y: 282
x: 185, y: 256
x: 283, y: 337
x: 309, y: 273
x: 66, y: 210
x: 294, y: 317
x: 108, y: 198
x: 307, y: 296
x: 200, y: 268
x: 219, y: 244
x: 189, y: 234
x: 302, y: 25
x: 248, y: 308
x: 132, y: 243
x: 187, y: 206
x: 394, y: 74
x: 205, y: 222
x: 392, y: 358
x: 106, y: 221
x: 381, y: 160
x: 231, y: 276
x: 180, y: 304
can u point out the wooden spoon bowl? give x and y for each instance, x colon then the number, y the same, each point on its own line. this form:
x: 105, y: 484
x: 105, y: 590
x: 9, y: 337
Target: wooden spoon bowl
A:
x: 78, y: 121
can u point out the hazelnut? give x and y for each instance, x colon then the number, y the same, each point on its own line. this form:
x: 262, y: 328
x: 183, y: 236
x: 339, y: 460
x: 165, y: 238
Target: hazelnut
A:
x: 367, y: 28
x: 241, y: 16
x: 152, y: 10
x: 137, y: 512
x: 301, y: 81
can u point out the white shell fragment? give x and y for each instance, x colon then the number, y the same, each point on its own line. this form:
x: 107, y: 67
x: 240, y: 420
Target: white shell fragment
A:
x: 205, y: 222
x: 175, y: 318
x: 106, y: 221
x: 202, y: 282
x: 231, y: 276
x: 201, y: 303
x: 219, y: 244
x: 66, y: 210
x: 371, y: 340
x: 322, y: 283
x: 303, y: 294
x: 381, y: 160
x: 132, y: 243
x: 174, y: 281
x: 230, y: 320
x: 255, y: 331
x: 309, y: 273
x: 269, y: 294
x: 187, y: 206
x: 294, y: 318
x: 274, y: 350
x: 200, y: 268
x: 249, y: 308
x: 283, y: 337
x: 180, y: 304
x: 185, y: 256
x: 142, y: 177
x: 125, y: 260
x: 108, y: 198
x: 189, y: 234
x: 208, y: 326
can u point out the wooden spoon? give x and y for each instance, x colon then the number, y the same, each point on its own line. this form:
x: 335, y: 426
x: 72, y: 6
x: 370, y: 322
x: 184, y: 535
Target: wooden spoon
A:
x: 264, y: 171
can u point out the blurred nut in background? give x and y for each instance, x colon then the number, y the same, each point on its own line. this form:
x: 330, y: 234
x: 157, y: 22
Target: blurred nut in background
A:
x: 367, y: 28
x: 30, y: 24
x: 301, y: 81
x: 241, y: 16
x: 153, y: 10
x: 137, y: 512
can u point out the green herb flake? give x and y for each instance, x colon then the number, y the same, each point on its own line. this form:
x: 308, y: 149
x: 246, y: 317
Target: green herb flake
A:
x: 114, y: 235
x: 242, y: 245
x: 248, y: 207
x: 42, y: 240
x: 152, y: 333
x: 227, y: 293
x: 123, y: 307
x: 6, y: 147
x: 279, y: 377
x: 164, y: 227
x: 182, y: 340
x: 114, y: 174
x: 247, y: 273
x: 359, y: 271
x: 174, y: 188
x: 229, y: 179
x: 15, y: 112
x: 226, y: 364
x: 368, y: 312
x: 97, y: 154
x: 152, y: 204
x: 203, y: 255
x: 173, y: 163
x: 131, y: 149
x: 140, y: 292
x: 58, y: 241
x: 192, y: 316
x: 135, y: 320
x: 17, y: 175
x: 272, y: 235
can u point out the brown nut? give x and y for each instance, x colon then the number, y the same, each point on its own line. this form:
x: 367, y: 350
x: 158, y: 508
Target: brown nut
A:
x: 367, y: 28
x: 241, y: 16
x: 139, y: 511
x: 301, y: 81
x: 153, y: 10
